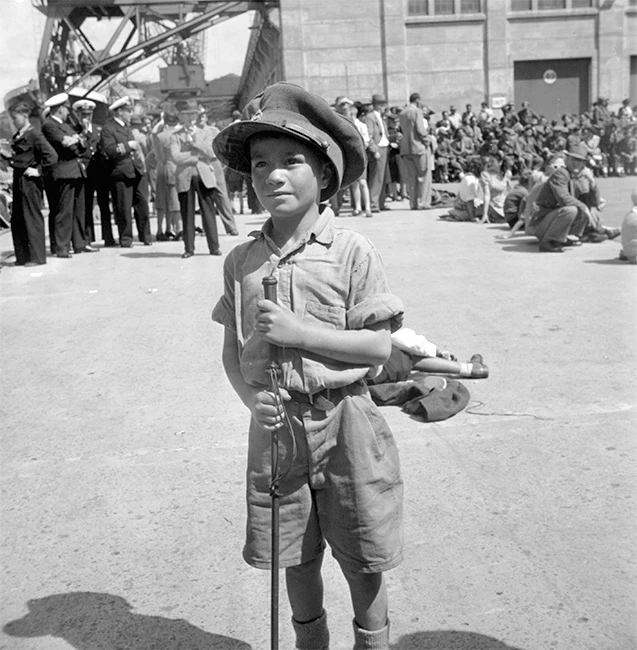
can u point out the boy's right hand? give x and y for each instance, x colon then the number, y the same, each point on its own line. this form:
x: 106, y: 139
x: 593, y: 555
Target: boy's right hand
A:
x: 267, y: 409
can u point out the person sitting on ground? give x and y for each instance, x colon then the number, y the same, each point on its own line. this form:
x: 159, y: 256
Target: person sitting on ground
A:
x: 496, y: 182
x: 412, y: 352
x: 629, y: 232
x: 467, y: 204
x: 558, y: 217
x: 515, y: 200
x: 587, y: 191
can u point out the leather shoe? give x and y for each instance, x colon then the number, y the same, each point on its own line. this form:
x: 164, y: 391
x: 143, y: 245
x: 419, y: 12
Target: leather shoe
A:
x: 551, y: 246
x: 64, y: 256
x: 611, y: 233
x: 234, y: 233
x: 34, y: 263
x: 126, y: 245
x: 572, y: 241
x: 89, y: 249
x: 479, y: 370
x: 148, y: 243
x: 216, y: 251
x: 186, y: 255
x: 110, y: 244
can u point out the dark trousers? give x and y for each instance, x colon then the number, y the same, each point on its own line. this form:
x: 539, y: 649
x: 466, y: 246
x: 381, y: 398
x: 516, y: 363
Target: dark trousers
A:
x: 49, y: 190
x: 69, y: 215
x: 376, y: 171
x: 98, y: 184
x: 206, y: 198
x: 222, y: 202
x: 131, y: 194
x: 27, y: 222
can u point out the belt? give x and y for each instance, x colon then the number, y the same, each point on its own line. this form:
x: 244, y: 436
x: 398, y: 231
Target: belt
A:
x: 326, y: 399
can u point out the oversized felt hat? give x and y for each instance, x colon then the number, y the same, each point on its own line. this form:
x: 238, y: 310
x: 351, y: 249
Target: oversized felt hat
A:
x: 56, y: 100
x: 120, y: 103
x: 83, y: 105
x: 290, y: 110
x: 578, y: 151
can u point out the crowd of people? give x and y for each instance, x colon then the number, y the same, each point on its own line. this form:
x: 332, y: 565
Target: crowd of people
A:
x: 126, y: 165
x: 498, y: 162
x: 163, y: 166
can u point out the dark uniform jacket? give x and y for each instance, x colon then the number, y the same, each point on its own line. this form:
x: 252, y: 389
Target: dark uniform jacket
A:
x: 557, y: 192
x: 70, y: 164
x: 31, y: 149
x: 122, y: 161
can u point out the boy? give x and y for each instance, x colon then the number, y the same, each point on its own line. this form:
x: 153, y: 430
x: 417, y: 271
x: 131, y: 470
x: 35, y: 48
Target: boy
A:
x: 332, y: 326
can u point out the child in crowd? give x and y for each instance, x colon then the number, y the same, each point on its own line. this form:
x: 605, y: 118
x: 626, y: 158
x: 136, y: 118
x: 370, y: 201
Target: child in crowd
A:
x: 411, y: 351
x: 629, y: 232
x: 332, y: 326
x: 515, y: 201
x: 467, y: 205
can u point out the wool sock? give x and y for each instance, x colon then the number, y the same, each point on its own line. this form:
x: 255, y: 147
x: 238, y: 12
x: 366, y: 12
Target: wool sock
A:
x: 371, y: 640
x: 313, y: 635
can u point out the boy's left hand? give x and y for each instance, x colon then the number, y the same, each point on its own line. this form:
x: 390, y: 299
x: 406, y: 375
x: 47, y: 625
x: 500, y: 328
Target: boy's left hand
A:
x: 279, y: 325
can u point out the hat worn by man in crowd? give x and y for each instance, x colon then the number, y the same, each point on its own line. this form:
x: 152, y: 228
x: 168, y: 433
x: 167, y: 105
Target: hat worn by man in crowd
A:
x: 123, y: 102
x: 83, y: 105
x: 290, y: 110
x: 56, y: 100
x: 378, y: 99
x: 578, y: 151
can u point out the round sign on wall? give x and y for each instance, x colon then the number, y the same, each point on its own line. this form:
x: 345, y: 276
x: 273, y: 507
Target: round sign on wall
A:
x: 549, y: 76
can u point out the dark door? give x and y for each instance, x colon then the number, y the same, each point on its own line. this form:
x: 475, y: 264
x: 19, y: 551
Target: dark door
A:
x: 553, y: 87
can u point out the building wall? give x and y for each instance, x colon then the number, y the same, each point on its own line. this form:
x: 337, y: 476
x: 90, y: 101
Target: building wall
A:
x: 360, y: 47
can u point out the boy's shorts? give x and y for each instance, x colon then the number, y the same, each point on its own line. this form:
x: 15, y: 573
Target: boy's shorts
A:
x: 344, y: 485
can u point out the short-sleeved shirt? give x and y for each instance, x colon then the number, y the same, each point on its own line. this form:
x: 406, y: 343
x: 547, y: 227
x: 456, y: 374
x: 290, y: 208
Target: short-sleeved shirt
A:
x: 332, y: 278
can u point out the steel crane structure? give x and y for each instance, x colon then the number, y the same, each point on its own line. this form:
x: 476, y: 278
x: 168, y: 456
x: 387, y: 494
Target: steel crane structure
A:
x: 143, y: 31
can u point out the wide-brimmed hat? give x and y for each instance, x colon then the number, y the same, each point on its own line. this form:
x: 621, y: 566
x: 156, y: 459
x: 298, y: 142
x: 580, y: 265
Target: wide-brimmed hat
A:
x: 290, y: 110
x: 378, y: 99
x: 578, y: 151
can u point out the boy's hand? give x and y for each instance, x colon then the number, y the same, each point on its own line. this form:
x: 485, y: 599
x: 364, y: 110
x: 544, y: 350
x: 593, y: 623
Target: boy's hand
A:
x: 267, y: 409
x: 278, y: 325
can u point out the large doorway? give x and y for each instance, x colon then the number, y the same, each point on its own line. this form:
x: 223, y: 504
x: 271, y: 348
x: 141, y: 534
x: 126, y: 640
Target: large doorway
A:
x: 553, y: 87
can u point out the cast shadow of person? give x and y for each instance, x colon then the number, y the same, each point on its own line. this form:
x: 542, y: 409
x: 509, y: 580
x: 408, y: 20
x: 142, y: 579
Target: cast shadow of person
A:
x: 449, y: 640
x: 97, y: 621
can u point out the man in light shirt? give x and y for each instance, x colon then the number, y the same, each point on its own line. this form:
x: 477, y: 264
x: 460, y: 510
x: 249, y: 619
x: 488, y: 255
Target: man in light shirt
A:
x: 377, y: 152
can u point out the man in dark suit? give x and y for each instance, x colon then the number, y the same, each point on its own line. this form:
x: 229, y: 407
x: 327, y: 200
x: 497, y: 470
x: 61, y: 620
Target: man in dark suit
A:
x: 95, y: 172
x: 31, y: 153
x: 414, y: 150
x: 67, y: 177
x: 127, y: 173
x: 377, y: 152
x: 558, y: 218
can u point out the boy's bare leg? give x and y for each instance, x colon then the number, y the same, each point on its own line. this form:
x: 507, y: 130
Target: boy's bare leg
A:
x: 369, y: 599
x: 305, y: 590
x: 435, y: 364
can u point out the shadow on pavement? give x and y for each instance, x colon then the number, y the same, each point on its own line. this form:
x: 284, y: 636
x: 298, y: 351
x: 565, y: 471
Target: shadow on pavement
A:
x: 522, y: 246
x: 612, y: 261
x: 152, y: 254
x: 449, y: 640
x: 97, y: 621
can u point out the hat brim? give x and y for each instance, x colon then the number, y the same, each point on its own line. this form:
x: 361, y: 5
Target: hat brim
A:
x: 577, y: 156
x: 231, y: 147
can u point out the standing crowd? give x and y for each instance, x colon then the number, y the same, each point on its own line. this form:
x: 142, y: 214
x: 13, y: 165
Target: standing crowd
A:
x: 126, y: 164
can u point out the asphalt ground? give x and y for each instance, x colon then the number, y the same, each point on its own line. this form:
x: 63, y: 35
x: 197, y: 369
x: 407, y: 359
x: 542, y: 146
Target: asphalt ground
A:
x: 123, y: 450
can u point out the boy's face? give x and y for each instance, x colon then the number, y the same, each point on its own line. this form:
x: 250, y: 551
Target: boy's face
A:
x: 287, y: 175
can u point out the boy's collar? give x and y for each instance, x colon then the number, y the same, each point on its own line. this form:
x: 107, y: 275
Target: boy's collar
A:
x: 322, y: 230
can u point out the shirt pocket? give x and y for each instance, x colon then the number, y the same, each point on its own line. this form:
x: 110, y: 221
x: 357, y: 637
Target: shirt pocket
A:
x: 329, y: 316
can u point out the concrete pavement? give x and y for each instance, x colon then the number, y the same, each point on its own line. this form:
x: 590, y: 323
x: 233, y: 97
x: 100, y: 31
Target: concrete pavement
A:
x: 123, y: 451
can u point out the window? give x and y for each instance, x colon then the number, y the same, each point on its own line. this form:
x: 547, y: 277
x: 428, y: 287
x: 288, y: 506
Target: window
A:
x: 521, y: 5
x: 470, y: 7
x: 551, y: 4
x: 444, y: 7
